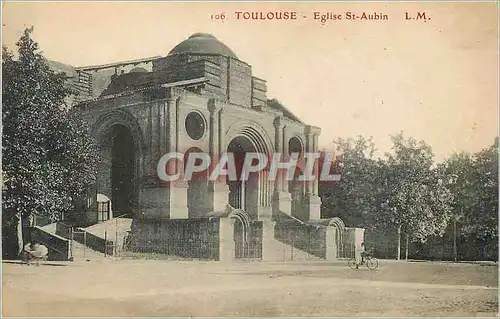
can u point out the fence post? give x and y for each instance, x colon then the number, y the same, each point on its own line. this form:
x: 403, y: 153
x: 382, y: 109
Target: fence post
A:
x: 85, y: 244
x: 70, y: 237
x: 284, y: 250
x: 105, y: 242
x: 115, y: 246
x: 455, y: 255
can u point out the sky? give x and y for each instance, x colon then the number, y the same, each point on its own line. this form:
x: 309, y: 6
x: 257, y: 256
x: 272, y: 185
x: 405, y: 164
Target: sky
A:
x: 434, y: 79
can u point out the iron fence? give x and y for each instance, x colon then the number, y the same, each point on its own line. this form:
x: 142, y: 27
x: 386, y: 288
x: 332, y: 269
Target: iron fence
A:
x: 172, y: 239
x: 200, y: 239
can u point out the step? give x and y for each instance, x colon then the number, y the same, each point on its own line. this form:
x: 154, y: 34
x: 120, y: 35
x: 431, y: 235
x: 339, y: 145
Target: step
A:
x: 80, y: 252
x: 114, y: 230
x: 279, y: 251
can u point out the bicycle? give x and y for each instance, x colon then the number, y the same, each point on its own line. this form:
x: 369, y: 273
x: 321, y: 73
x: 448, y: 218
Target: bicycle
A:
x: 370, y: 262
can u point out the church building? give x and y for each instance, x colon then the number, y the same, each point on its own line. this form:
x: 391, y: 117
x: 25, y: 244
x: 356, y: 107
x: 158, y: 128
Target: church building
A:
x: 199, y: 98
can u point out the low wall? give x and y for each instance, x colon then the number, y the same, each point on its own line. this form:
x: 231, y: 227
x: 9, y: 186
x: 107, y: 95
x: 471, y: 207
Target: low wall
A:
x: 190, y: 238
x: 435, y: 248
x: 59, y: 247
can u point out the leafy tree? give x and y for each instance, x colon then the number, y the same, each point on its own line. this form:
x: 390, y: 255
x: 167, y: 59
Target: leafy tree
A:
x: 407, y: 192
x: 417, y: 199
x: 49, y: 159
x: 353, y: 199
x: 483, y: 220
x: 475, y: 191
x: 459, y: 168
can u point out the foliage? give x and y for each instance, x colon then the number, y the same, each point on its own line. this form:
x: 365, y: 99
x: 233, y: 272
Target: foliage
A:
x: 49, y: 158
x: 353, y: 199
x: 475, y: 189
x: 416, y: 196
x: 484, y: 218
x: 407, y: 189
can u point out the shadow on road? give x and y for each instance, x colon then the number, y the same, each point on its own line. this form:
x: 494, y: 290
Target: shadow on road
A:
x: 18, y: 262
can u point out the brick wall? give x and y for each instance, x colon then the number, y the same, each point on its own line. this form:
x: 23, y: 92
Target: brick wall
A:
x: 240, y: 83
x: 259, y: 92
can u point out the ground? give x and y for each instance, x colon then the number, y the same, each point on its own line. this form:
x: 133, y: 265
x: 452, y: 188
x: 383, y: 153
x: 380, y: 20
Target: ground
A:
x: 188, y: 288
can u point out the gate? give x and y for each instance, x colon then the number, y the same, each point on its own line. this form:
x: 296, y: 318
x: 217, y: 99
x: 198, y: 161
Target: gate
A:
x: 248, y: 240
x: 247, y: 236
x: 81, y: 237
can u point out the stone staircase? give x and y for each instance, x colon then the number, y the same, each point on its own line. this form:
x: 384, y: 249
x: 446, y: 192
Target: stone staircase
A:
x: 276, y: 250
x: 115, y: 230
x: 50, y: 228
x: 78, y: 251
x: 81, y: 252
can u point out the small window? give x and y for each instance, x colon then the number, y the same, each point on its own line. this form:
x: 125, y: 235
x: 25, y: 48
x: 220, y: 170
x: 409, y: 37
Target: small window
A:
x: 295, y: 146
x: 103, y: 211
x: 195, y: 125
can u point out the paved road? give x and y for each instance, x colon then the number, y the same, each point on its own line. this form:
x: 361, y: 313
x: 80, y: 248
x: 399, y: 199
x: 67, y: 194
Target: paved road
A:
x: 160, y: 288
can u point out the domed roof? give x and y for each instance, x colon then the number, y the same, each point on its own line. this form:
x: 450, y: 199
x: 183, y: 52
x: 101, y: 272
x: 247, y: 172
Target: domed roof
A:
x: 203, y: 43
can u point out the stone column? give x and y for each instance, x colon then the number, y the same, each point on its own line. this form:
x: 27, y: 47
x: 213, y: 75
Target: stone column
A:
x: 309, y: 147
x: 164, y: 118
x: 282, y: 200
x: 269, y: 252
x: 265, y: 207
x: 226, y: 240
x: 218, y: 189
x: 354, y: 237
x: 171, y: 131
x: 178, y: 208
x: 331, y: 244
x: 316, y: 167
x: 149, y: 154
x: 312, y: 200
x: 286, y: 157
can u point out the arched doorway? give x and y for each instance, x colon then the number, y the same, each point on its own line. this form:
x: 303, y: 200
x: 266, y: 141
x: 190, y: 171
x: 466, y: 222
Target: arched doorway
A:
x: 243, y: 194
x: 250, y: 198
x: 117, y: 172
x: 340, y: 242
x: 242, y: 228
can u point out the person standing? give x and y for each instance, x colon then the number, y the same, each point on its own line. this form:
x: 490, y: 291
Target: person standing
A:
x: 360, y: 255
x: 26, y: 254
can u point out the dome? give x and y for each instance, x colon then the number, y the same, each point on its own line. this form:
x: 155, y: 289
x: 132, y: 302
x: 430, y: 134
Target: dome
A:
x: 203, y: 43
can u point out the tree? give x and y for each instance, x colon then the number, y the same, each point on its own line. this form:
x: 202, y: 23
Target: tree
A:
x: 459, y: 170
x: 353, y: 199
x: 475, y: 192
x: 49, y: 159
x: 483, y: 220
x: 416, y: 199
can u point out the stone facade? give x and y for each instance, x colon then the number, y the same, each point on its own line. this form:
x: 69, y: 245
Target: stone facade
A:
x: 199, y: 98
